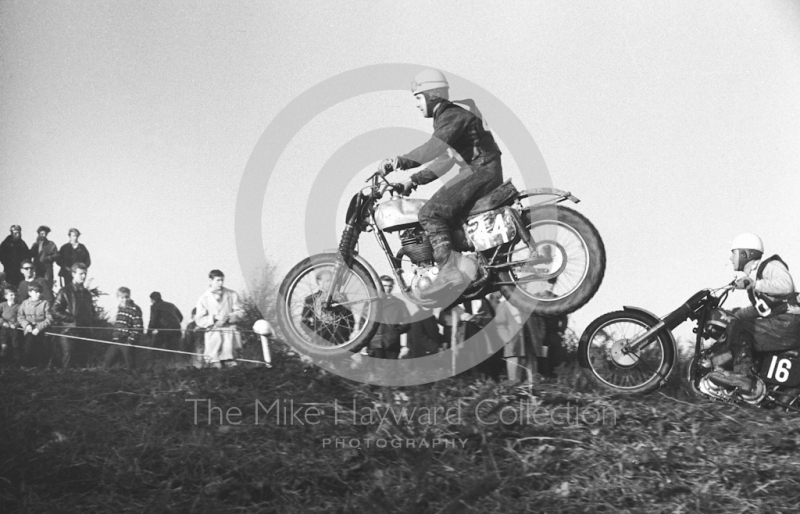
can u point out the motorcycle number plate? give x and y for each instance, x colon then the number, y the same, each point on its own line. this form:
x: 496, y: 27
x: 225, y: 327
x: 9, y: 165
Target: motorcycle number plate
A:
x: 780, y: 370
x: 491, y: 229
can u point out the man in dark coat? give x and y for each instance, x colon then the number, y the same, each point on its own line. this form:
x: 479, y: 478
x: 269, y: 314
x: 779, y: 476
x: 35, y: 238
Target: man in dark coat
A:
x: 74, y: 309
x: 13, y: 251
x: 424, y: 338
x: 385, y: 344
x: 44, y: 253
x: 70, y: 254
x: 164, y: 315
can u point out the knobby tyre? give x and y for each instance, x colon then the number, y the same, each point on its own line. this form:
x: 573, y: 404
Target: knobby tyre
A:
x: 572, y: 276
x: 314, y: 329
x: 604, y: 363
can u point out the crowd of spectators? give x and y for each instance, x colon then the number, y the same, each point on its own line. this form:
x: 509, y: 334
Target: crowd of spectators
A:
x: 525, y: 355
x: 34, y: 321
x: 40, y: 329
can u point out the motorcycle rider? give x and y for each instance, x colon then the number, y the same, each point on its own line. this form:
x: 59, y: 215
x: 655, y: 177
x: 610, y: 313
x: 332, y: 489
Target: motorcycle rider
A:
x: 771, y: 323
x: 459, y: 138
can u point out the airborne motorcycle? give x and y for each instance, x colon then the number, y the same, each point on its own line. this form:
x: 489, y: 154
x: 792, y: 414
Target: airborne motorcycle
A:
x: 633, y: 351
x: 551, y: 254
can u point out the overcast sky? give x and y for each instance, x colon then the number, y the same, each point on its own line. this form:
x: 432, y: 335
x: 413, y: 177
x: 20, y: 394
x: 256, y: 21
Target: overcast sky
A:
x: 677, y: 124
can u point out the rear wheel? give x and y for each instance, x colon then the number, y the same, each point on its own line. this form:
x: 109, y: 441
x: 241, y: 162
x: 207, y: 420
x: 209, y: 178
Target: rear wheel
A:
x: 691, y: 378
x: 566, y: 269
x: 603, y: 354
x: 313, y: 327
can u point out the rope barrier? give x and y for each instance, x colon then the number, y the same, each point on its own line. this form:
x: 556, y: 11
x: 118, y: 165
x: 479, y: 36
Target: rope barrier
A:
x: 264, y: 345
x: 143, y: 330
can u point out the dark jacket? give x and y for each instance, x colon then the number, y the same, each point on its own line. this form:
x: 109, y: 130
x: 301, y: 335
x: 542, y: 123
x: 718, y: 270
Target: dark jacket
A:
x: 68, y: 256
x: 424, y: 338
x: 453, y: 127
x: 74, y: 307
x: 12, y: 253
x: 388, y: 335
x: 44, y: 255
x: 47, y: 291
x: 164, y: 315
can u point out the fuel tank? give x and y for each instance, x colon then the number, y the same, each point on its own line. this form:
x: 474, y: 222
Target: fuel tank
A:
x: 398, y: 213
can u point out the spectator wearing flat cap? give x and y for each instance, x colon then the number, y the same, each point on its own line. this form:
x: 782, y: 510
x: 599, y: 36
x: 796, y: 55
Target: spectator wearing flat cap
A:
x: 44, y: 253
x: 13, y: 251
x: 164, y: 315
x: 70, y: 254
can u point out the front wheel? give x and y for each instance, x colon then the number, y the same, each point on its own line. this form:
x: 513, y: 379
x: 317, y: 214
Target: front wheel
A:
x: 566, y: 268
x: 606, y: 361
x: 315, y: 327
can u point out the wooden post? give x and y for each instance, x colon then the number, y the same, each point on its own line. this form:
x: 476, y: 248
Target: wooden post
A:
x: 454, y: 336
x: 265, y: 351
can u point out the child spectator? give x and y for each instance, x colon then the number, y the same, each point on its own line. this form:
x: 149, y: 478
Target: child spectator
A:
x: 34, y: 318
x: 128, y: 325
x: 9, y: 335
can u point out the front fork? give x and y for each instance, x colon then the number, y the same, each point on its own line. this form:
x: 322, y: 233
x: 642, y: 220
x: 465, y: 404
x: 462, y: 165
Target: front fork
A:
x: 344, y: 259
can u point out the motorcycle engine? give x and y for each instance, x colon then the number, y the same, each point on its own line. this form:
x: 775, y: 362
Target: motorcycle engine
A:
x: 416, y: 245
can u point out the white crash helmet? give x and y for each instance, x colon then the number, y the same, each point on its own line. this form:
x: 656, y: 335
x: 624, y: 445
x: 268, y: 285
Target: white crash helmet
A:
x: 748, y: 247
x: 427, y: 80
x: 433, y: 85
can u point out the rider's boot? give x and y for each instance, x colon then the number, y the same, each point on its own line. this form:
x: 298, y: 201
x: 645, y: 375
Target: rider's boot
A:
x: 449, y: 276
x: 741, y: 377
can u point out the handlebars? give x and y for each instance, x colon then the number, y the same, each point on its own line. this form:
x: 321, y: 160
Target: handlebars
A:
x: 379, y: 189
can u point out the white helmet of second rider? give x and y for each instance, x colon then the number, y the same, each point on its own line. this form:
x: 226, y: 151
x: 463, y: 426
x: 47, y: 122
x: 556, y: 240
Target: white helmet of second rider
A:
x: 746, y: 247
x: 432, y: 86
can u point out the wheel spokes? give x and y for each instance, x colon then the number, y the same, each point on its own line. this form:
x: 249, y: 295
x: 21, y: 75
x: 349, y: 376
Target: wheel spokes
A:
x: 567, y: 266
x: 328, y: 326
x: 618, y: 372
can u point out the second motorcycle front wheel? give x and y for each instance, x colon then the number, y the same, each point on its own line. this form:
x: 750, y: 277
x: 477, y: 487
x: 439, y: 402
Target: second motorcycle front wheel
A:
x: 607, y: 361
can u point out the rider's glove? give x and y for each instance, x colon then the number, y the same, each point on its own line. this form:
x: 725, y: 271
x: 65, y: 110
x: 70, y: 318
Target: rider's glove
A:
x: 408, y: 187
x: 388, y: 165
x: 743, y: 281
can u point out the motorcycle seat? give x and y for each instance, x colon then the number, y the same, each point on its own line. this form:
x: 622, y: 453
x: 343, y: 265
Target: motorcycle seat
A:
x: 496, y: 198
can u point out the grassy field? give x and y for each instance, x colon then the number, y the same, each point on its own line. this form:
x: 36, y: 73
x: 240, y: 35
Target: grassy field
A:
x: 117, y: 441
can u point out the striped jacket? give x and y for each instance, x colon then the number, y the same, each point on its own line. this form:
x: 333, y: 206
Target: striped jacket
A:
x: 129, y: 324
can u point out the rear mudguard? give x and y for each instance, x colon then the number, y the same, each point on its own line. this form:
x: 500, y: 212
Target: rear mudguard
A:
x: 549, y: 191
x: 672, y: 341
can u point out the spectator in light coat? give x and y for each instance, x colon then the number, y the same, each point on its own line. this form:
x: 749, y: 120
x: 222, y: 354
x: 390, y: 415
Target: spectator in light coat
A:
x: 34, y: 318
x: 218, y: 309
